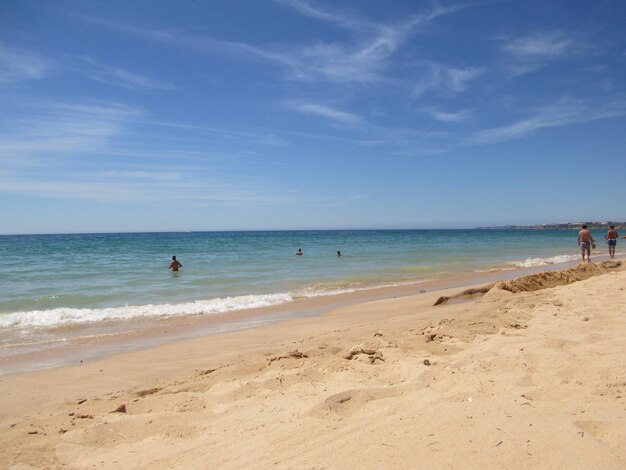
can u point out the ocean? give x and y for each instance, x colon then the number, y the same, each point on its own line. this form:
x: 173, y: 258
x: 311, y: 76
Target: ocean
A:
x: 49, y: 283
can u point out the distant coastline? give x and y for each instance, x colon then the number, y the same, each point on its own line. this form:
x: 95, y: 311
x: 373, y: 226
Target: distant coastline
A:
x: 563, y: 226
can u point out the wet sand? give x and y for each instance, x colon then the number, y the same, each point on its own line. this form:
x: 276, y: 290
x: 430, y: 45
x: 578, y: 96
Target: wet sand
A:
x: 76, y: 344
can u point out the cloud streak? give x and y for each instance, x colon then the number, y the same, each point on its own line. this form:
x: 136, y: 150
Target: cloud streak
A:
x: 326, y: 112
x: 364, y: 59
x: 352, y: 23
x: 564, y: 112
x: 56, y: 127
x: 48, y: 147
x: 117, y: 76
x: 447, y: 116
x: 141, y: 187
x: 445, y: 80
x: 527, y: 54
x: 18, y: 65
x: 540, y: 45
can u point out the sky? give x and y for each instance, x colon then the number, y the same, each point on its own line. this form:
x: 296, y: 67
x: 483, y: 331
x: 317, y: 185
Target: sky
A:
x: 155, y: 115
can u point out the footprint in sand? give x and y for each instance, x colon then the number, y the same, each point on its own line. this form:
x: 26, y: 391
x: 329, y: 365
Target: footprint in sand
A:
x: 351, y: 401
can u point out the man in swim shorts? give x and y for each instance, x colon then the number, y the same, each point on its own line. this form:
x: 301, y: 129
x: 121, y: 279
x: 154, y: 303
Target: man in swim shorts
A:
x: 584, y: 242
x: 175, y: 264
x: 611, y: 239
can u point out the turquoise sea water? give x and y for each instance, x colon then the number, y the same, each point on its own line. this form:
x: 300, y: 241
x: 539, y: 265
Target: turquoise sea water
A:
x: 54, y: 280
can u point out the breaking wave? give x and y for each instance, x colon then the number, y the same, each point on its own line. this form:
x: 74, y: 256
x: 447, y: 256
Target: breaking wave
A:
x: 67, y: 316
x: 532, y: 262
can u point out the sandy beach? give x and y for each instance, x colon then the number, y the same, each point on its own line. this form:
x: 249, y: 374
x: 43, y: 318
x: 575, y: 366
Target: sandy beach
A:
x: 529, y: 373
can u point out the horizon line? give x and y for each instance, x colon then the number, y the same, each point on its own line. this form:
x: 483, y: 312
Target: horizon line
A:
x: 491, y: 227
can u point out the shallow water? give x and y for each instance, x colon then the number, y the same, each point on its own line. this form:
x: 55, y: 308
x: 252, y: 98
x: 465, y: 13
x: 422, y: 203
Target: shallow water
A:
x: 52, y: 280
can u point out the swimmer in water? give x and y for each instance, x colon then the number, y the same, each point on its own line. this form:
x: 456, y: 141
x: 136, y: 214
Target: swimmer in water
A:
x: 175, y: 264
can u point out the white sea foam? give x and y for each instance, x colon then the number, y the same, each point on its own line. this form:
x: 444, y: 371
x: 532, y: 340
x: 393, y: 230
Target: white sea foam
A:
x: 324, y: 290
x: 68, y: 316
x: 532, y: 262
x: 495, y: 270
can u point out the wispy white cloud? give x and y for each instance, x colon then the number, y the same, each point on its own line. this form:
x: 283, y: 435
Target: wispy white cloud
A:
x: 529, y: 53
x: 17, y: 65
x: 173, y: 37
x: 49, y: 144
x: 541, y: 44
x: 140, y: 187
x: 447, y: 116
x: 355, y: 22
x: 443, y: 79
x: 363, y: 59
x: 117, y: 76
x: 407, y: 141
x: 326, y: 112
x: 350, y: 22
x: 566, y: 111
x: 49, y: 127
x: 262, y: 137
x: 270, y: 139
x: 458, y: 80
x: 66, y: 189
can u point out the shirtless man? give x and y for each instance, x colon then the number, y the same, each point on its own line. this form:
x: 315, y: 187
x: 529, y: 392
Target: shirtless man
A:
x: 611, y: 239
x: 175, y: 264
x: 584, y: 242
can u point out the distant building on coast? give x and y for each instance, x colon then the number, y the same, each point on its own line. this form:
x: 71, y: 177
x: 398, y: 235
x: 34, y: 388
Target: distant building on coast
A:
x: 564, y: 226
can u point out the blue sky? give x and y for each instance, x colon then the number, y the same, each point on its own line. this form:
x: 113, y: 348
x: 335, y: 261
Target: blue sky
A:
x: 294, y: 114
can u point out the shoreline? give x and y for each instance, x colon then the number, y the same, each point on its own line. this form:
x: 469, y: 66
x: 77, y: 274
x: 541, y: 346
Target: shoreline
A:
x: 78, y: 344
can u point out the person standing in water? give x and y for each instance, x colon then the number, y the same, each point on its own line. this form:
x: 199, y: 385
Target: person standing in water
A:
x: 585, y: 240
x: 299, y: 252
x: 175, y: 264
x: 611, y: 239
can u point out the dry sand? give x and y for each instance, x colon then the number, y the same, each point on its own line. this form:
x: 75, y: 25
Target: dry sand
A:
x: 531, y: 374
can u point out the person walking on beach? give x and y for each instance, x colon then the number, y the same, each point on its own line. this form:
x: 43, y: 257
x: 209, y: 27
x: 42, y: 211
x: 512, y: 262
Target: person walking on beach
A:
x: 175, y: 264
x: 585, y: 240
x: 611, y: 239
